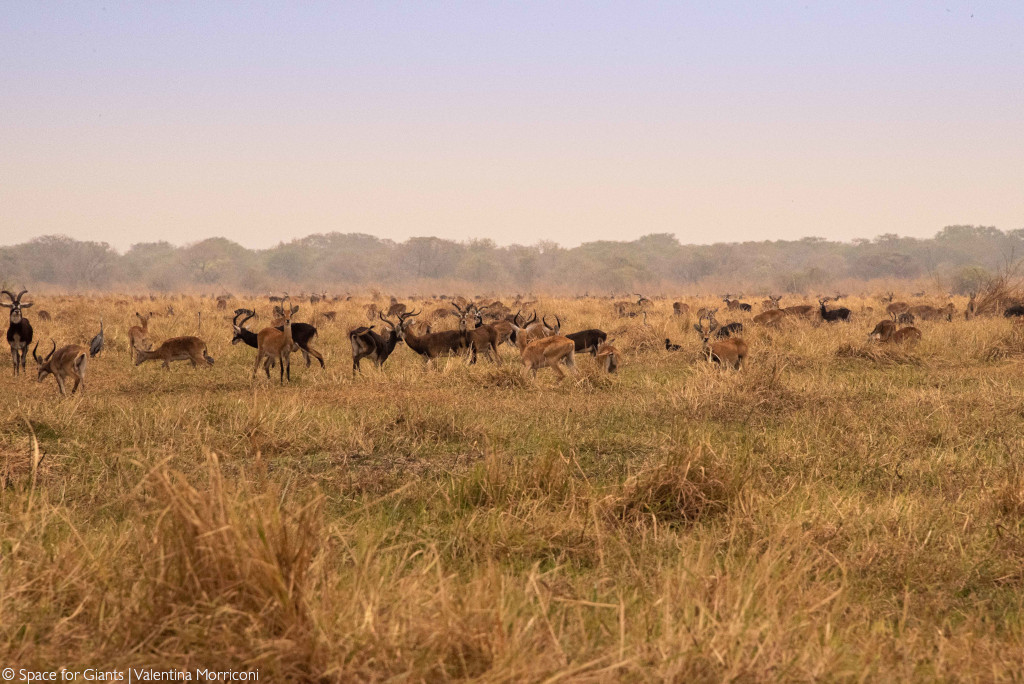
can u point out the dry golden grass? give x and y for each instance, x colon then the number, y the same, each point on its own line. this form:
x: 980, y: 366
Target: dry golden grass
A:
x: 835, y: 511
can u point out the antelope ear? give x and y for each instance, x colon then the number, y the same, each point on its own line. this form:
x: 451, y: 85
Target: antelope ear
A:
x: 697, y: 328
x: 295, y: 309
x: 27, y: 306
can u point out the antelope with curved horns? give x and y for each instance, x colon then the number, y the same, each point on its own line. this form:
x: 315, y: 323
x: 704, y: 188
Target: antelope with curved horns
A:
x: 368, y: 344
x: 731, y: 351
x: 19, y: 331
x: 63, y: 363
x: 432, y: 345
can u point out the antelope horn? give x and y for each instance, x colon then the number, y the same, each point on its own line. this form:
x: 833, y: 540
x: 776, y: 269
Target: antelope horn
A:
x: 35, y: 355
x: 20, y: 294
x: 48, y: 356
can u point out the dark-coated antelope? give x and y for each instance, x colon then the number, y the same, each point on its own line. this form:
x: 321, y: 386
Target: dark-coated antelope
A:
x: 302, y: 333
x: 19, y: 331
x: 63, y: 363
x: 730, y: 352
x: 432, y: 345
x: 833, y: 315
x: 550, y: 352
x: 176, y: 349
x: 372, y: 345
x: 588, y: 340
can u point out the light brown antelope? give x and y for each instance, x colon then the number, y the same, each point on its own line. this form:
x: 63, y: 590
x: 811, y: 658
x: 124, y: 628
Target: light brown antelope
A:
x: 138, y: 335
x: 608, y: 357
x: 886, y: 331
x: 770, y: 318
x: 483, y: 338
x: 800, y: 311
x: 680, y: 308
x: 772, y: 303
x: 549, y: 352
x: 730, y: 352
x: 897, y: 308
x: 273, y: 345
x: 176, y: 349
x: 63, y: 363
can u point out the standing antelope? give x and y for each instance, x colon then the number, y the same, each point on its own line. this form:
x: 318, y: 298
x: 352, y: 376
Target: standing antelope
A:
x: 731, y: 351
x: 368, y: 344
x: 176, y: 349
x: 274, y: 344
x: 63, y: 363
x: 139, y: 334
x: 549, y: 352
x: 19, y: 332
x: 432, y: 345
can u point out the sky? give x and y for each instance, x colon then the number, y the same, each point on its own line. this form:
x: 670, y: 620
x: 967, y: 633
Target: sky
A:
x: 523, y: 121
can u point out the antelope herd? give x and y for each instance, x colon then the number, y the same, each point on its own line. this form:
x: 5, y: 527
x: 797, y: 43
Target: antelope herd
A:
x: 480, y: 328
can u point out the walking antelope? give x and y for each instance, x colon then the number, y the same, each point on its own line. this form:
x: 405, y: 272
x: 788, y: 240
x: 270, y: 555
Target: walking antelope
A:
x: 549, y: 352
x: 886, y: 331
x: 176, y: 349
x: 19, y: 331
x: 63, y: 363
x: 588, y: 340
x: 138, y: 335
x: 608, y: 357
x: 369, y: 344
x: 728, y: 352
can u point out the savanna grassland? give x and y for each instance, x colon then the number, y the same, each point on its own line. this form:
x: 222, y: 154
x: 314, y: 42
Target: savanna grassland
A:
x: 835, y: 511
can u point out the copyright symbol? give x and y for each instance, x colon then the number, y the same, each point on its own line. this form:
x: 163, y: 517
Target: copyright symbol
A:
x: 8, y: 673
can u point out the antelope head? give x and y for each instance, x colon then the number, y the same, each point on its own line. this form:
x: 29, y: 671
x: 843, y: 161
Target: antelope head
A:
x: 15, y: 305
x: 44, y: 364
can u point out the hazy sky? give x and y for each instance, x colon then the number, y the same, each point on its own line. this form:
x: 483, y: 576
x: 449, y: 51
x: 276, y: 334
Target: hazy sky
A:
x: 516, y: 121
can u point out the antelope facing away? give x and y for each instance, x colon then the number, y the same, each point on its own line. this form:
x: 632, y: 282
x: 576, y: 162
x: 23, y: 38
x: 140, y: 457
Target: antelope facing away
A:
x: 549, y: 352
x: 608, y: 357
x: 63, y: 363
x: 176, y: 349
x: 732, y: 351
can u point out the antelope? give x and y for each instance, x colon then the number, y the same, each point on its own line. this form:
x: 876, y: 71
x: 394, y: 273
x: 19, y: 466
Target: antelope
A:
x: 588, y: 340
x: 897, y: 307
x: 770, y: 317
x: 680, y: 308
x: 799, y: 310
x: 729, y: 330
x: 395, y: 309
x: 734, y: 304
x: 532, y: 330
x: 729, y: 352
x: 1016, y: 310
x: 482, y: 337
x: 44, y: 315
x: 139, y: 334
x: 772, y: 303
x: 63, y: 363
x: 19, y: 331
x: 886, y: 331
x: 840, y: 314
x: 905, y: 318
x: 608, y: 357
x: 176, y: 349
x: 549, y: 352
x: 930, y: 313
x: 368, y: 344
x: 275, y: 344
x: 302, y: 333
x: 432, y: 345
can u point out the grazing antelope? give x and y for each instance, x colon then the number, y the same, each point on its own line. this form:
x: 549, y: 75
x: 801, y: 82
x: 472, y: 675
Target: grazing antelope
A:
x: 680, y: 308
x: 66, y: 362
x: 886, y: 331
x: 276, y: 345
x: 138, y: 335
x: 588, y: 340
x: 549, y: 352
x: 176, y: 349
x: 44, y: 315
x: 19, y: 331
x: 368, y: 344
x: 730, y: 352
x: 770, y: 317
x: 608, y: 357
x: 831, y: 316
x: 671, y: 347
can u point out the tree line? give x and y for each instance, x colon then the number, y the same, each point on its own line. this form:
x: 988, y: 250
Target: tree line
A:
x: 957, y: 259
